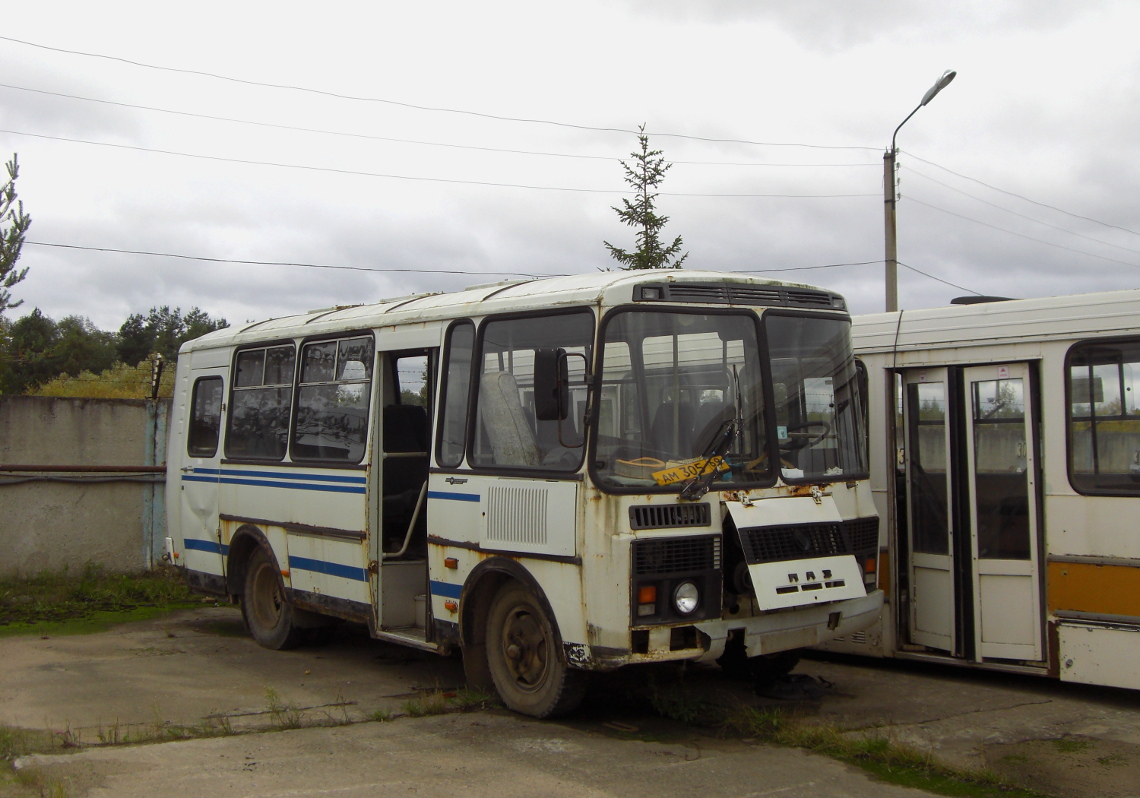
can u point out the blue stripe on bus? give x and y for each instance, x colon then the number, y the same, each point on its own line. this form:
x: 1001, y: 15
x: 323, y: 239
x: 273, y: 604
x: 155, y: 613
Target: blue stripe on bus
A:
x: 315, y: 476
x: 330, y: 568
x: 446, y: 589
x: 454, y: 497
x: 212, y: 546
x: 289, y: 475
x: 293, y: 486
x: 231, y: 477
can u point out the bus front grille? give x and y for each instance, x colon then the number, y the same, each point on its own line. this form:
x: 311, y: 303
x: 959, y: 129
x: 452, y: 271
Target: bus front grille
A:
x: 805, y: 541
x: 663, y: 556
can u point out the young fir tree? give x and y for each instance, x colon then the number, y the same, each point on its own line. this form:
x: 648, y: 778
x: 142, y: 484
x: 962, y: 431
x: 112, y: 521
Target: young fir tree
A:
x: 14, y: 224
x: 645, y: 174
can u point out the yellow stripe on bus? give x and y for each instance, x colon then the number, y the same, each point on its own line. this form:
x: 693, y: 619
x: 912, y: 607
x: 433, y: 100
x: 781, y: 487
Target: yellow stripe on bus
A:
x: 1099, y: 589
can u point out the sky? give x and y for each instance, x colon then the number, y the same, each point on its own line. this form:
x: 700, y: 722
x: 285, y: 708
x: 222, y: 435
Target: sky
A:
x: 261, y: 159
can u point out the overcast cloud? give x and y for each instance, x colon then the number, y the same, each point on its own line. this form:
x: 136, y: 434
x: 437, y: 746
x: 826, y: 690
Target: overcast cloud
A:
x: 278, y: 133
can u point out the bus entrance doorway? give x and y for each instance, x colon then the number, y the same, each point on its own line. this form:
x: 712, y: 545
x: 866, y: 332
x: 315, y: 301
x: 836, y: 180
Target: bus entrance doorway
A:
x: 971, y: 548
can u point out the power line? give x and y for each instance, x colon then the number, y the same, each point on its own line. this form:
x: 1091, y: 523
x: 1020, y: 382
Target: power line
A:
x: 417, y: 142
x: 1023, y: 216
x: 806, y: 268
x: 429, y: 108
x: 939, y: 279
x: 417, y: 178
x: 1022, y: 235
x: 235, y: 261
x: 1023, y: 198
x: 241, y: 262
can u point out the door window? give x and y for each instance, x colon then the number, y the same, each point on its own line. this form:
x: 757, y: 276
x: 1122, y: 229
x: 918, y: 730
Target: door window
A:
x: 205, y: 417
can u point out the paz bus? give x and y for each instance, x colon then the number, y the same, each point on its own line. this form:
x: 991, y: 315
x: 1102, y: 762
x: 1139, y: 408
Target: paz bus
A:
x: 550, y: 477
x: 1005, y: 456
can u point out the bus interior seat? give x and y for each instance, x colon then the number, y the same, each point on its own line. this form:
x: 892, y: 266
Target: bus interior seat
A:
x: 511, y: 435
x: 710, y: 417
x: 672, y: 428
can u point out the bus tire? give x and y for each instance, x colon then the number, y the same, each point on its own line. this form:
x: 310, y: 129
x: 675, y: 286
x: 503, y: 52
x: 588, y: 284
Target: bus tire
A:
x: 265, y: 608
x: 525, y: 658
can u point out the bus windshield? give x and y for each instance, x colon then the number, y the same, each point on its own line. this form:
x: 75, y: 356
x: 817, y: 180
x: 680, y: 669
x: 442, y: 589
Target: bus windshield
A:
x: 684, y: 394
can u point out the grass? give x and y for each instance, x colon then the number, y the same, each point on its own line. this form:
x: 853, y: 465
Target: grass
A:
x: 29, y: 781
x: 440, y: 701
x: 285, y: 715
x: 66, y: 602
x: 876, y: 753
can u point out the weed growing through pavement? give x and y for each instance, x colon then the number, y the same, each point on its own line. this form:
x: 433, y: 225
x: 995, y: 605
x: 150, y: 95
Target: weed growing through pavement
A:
x: 285, y: 716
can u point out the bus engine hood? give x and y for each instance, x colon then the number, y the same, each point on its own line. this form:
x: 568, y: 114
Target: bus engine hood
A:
x: 796, y: 551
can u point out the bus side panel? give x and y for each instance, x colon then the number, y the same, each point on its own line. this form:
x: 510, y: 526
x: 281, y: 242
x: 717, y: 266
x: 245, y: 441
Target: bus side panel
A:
x: 327, y: 567
x: 1099, y: 654
x: 318, y: 528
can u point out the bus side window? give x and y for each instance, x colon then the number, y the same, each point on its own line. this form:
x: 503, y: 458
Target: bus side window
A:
x: 331, y: 421
x: 261, y: 395
x: 456, y: 390
x: 509, y: 434
x: 1104, y: 417
x: 205, y: 417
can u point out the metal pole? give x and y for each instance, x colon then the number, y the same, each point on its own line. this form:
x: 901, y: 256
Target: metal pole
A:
x: 892, y: 253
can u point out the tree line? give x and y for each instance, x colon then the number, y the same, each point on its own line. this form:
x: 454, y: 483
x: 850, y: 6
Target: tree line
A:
x: 73, y: 357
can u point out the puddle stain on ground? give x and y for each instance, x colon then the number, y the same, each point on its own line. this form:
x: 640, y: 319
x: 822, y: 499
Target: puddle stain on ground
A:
x: 1070, y: 766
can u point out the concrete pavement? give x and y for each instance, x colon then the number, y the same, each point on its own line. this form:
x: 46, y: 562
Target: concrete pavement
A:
x: 198, y: 671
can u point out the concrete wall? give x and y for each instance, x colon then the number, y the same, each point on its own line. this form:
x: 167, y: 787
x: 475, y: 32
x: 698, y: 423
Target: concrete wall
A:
x: 77, y: 483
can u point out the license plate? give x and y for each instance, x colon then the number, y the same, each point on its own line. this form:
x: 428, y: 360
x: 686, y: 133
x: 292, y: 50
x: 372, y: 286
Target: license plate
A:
x: 683, y: 471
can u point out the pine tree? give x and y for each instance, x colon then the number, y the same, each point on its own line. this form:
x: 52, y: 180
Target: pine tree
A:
x: 646, y: 173
x: 14, y: 224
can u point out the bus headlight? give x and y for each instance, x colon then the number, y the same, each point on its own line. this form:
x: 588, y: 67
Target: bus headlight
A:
x: 686, y: 598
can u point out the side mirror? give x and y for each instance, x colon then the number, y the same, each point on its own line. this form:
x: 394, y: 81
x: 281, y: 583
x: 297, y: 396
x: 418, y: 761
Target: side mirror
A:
x: 551, y: 385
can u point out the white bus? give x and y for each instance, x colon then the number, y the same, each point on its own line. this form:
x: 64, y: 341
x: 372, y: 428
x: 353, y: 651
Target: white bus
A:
x: 1005, y: 455
x: 553, y: 477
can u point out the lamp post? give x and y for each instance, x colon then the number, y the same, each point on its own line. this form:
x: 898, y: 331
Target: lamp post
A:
x: 892, y: 262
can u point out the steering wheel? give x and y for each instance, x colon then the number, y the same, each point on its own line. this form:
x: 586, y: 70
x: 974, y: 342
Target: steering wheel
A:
x: 801, y: 440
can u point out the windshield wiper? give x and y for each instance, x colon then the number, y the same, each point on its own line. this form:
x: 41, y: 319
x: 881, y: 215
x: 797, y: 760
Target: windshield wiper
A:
x: 696, y: 487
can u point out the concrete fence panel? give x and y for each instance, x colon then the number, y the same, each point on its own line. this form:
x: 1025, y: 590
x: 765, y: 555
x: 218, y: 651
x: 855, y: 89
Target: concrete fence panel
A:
x: 81, y: 481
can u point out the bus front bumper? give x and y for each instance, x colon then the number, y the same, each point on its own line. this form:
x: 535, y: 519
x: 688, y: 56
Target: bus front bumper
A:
x: 766, y: 633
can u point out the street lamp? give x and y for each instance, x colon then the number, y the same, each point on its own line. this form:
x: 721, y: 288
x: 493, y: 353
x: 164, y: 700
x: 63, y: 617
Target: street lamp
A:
x: 892, y: 272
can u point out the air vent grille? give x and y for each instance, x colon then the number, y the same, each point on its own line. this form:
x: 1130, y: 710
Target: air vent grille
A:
x: 669, y: 516
x: 739, y: 294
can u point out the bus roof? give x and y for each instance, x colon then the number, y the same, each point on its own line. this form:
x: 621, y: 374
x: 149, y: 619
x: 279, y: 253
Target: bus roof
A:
x: 992, y: 323
x: 605, y: 289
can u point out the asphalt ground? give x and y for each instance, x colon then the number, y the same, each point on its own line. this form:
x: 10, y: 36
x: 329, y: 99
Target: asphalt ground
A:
x: 355, y: 717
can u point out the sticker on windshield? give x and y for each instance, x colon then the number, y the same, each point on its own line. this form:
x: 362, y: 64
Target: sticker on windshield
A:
x: 695, y: 468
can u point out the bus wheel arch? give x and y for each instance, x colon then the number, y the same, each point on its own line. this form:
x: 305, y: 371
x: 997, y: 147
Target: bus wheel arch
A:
x: 254, y: 574
x: 511, y: 642
x: 246, y: 540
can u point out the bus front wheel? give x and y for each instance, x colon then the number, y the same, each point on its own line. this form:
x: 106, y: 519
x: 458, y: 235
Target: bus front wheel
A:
x: 527, y: 666
x: 266, y: 610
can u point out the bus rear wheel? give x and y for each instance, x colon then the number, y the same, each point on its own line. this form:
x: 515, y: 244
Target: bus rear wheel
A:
x: 264, y: 606
x: 525, y: 660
